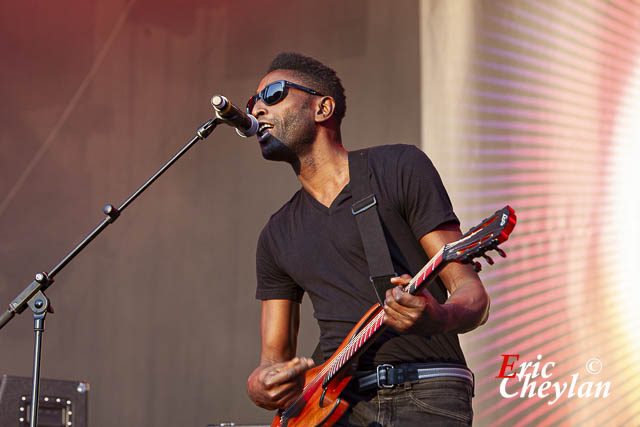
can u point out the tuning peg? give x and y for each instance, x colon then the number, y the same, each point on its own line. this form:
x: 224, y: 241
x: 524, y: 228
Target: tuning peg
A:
x: 488, y: 258
x: 477, y: 266
x: 502, y: 253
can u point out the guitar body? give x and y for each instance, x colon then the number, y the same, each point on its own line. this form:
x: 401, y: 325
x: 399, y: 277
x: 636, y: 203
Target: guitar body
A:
x: 318, y: 405
x: 323, y: 408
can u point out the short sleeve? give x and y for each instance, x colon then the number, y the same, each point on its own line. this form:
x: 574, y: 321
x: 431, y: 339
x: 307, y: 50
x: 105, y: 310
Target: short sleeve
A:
x: 424, y: 202
x: 273, y: 282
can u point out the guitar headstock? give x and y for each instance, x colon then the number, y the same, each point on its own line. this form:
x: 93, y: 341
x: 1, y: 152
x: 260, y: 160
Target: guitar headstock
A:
x: 482, y: 238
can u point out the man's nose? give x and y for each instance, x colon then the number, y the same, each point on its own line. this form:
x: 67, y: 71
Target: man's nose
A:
x: 259, y: 109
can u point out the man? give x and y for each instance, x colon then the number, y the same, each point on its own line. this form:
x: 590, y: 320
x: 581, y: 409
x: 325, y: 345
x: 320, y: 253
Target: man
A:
x: 312, y: 244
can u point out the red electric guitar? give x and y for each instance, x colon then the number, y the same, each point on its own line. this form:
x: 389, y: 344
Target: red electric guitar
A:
x: 320, y: 404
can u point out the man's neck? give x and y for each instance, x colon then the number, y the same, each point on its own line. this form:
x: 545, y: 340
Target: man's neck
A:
x: 324, y: 170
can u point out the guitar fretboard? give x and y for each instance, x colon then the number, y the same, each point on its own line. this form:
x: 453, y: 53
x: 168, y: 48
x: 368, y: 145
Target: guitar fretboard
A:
x: 423, y: 277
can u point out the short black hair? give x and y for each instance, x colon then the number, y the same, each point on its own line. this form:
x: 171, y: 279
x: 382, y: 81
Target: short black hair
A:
x: 318, y: 76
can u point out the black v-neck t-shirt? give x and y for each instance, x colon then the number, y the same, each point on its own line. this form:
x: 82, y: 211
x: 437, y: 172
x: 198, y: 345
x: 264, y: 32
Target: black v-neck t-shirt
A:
x: 308, y: 247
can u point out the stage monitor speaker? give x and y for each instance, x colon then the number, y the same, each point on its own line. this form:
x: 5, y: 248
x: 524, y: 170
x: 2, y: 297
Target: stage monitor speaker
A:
x: 62, y: 403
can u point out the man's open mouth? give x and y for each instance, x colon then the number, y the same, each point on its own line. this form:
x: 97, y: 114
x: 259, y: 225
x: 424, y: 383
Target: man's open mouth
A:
x: 263, y: 131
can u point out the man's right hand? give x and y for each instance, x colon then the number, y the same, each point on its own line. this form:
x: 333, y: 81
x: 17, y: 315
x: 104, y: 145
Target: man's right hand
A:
x: 277, y: 385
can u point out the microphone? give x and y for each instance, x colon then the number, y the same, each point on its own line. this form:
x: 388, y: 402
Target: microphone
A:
x: 246, y: 125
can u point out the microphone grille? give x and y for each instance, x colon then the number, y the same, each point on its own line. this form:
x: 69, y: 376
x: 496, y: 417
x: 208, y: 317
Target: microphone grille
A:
x: 219, y: 102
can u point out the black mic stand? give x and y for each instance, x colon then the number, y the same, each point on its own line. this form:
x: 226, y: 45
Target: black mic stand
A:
x: 33, y: 295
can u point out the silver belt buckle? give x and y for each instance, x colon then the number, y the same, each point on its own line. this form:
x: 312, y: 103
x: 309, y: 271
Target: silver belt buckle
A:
x: 385, y: 366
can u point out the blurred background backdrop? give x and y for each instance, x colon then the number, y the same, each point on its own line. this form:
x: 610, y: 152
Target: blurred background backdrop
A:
x: 531, y: 103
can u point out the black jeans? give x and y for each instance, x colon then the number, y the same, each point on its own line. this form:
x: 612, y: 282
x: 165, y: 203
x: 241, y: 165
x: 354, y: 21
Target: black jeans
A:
x: 442, y: 401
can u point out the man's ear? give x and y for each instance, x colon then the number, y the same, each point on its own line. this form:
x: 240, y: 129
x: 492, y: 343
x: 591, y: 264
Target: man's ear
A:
x: 325, y: 109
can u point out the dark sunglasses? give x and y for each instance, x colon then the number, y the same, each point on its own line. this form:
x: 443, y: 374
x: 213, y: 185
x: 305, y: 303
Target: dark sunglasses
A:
x: 276, y: 92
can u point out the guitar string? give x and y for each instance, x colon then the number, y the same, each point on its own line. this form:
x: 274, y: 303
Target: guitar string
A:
x: 423, y: 271
x: 320, y: 375
x: 420, y: 276
x: 323, y: 371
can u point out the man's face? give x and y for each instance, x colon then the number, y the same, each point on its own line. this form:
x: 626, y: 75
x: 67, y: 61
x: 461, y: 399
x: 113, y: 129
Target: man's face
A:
x: 292, y: 119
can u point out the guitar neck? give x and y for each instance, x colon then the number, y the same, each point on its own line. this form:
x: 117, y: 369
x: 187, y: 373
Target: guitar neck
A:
x: 372, y: 327
x: 427, y: 274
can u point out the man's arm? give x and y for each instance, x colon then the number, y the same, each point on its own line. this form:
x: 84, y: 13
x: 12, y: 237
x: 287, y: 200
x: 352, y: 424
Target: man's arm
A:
x: 279, y: 378
x: 466, y: 308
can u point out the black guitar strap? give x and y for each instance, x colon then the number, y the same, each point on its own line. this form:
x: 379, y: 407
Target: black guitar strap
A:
x: 375, y: 245
x: 366, y: 212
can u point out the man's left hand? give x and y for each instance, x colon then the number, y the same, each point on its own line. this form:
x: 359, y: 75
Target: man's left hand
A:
x: 420, y: 313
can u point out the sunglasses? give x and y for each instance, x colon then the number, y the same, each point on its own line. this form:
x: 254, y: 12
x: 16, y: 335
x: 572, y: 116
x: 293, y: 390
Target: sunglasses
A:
x: 276, y: 92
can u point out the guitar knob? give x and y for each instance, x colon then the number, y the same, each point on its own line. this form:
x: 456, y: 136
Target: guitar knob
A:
x: 488, y: 258
x: 477, y: 267
x: 502, y: 253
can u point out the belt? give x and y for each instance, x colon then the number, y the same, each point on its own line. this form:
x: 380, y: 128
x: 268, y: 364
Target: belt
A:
x: 387, y: 376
